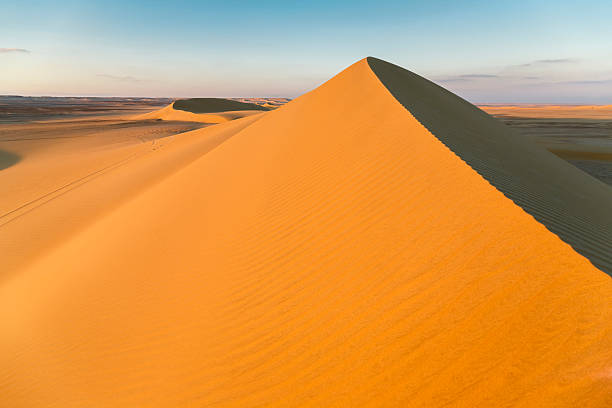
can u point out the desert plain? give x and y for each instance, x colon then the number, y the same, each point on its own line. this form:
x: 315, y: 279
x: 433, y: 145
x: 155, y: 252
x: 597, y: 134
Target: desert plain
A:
x: 377, y: 241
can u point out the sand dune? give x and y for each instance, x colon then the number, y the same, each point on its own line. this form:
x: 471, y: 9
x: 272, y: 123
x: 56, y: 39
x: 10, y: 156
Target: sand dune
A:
x: 212, y: 105
x: 73, y: 173
x: 370, y: 243
x: 171, y: 113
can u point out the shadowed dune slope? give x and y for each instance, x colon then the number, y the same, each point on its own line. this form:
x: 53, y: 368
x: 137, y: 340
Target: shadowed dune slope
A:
x: 214, y: 105
x: 570, y: 203
x: 332, y: 253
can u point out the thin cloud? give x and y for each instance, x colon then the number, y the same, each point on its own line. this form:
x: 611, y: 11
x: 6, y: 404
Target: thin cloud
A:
x: 575, y: 82
x: 466, y: 77
x: 546, y: 62
x: 587, y: 82
x: 18, y: 50
x: 451, y: 80
x: 555, y: 61
x: 119, y: 78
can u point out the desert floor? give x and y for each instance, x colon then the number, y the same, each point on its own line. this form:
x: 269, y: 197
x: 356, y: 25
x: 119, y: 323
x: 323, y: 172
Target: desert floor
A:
x: 580, y: 135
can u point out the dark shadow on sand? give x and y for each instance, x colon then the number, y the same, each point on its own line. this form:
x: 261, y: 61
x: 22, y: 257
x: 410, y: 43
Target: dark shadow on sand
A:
x: 570, y: 203
x: 8, y: 159
x: 214, y: 105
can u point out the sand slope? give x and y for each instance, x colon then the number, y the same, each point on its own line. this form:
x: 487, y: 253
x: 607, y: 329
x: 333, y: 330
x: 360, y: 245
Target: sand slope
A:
x: 331, y: 253
x: 64, y: 182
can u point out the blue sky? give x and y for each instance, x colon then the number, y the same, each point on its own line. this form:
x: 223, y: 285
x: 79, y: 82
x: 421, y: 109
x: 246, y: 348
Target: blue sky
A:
x: 486, y: 51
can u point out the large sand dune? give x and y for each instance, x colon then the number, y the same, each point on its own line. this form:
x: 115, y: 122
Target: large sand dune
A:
x: 333, y: 252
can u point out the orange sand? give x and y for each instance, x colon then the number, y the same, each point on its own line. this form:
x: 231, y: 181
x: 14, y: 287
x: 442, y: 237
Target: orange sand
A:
x: 329, y: 253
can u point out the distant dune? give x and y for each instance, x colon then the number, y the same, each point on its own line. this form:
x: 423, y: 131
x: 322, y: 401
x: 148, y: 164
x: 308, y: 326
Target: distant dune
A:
x: 375, y: 242
x: 205, y: 110
x: 271, y: 103
x: 214, y: 105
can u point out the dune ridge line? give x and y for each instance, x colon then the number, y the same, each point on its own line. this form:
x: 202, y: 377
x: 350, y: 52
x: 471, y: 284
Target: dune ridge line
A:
x: 553, y: 191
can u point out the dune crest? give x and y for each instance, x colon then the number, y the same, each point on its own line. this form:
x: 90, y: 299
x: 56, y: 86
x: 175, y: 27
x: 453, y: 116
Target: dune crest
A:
x: 334, y: 252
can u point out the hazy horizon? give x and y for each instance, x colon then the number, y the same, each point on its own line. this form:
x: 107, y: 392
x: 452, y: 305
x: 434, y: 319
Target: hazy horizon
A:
x: 477, y: 103
x: 532, y: 52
